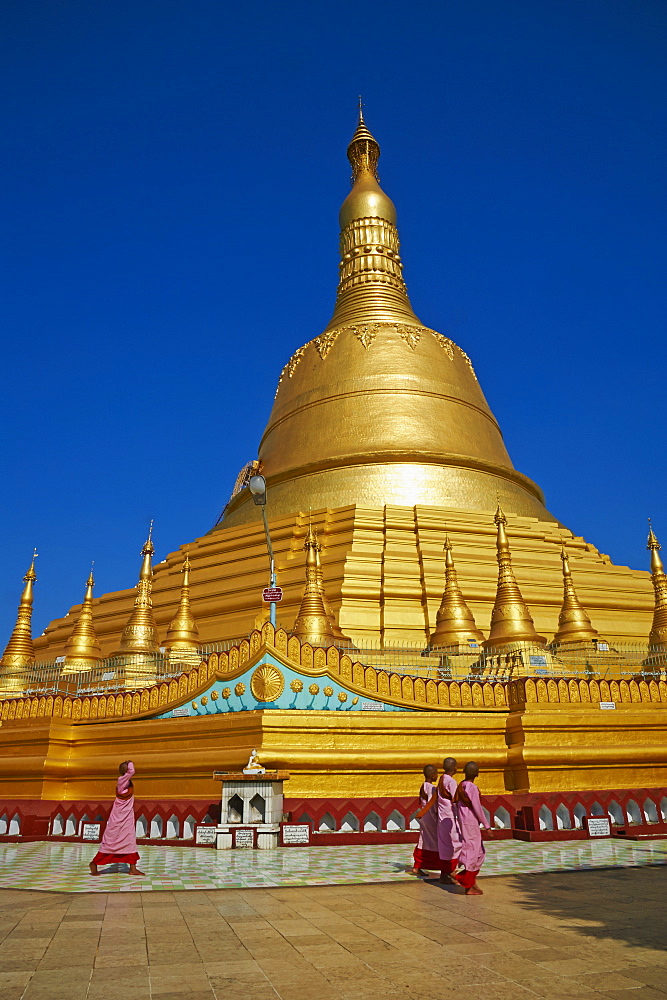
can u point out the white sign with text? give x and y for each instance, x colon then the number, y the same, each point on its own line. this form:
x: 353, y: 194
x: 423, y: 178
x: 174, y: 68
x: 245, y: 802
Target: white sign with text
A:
x: 296, y: 833
x: 244, y: 838
x: 206, y: 835
x: 599, y: 826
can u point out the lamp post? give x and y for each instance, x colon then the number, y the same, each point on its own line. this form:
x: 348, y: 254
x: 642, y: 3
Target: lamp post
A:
x: 257, y: 487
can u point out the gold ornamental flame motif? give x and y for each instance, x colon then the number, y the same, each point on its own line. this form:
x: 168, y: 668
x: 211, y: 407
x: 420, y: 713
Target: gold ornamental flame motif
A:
x: 267, y: 683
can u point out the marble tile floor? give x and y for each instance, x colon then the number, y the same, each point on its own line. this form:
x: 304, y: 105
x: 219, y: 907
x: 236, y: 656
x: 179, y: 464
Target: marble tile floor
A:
x: 63, y: 867
x: 573, y: 935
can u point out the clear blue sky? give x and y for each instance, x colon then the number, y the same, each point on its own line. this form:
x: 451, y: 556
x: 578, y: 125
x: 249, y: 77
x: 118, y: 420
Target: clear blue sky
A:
x: 172, y: 177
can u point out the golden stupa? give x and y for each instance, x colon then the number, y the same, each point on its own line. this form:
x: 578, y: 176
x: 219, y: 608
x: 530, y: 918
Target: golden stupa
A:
x: 379, y: 453
x: 381, y: 429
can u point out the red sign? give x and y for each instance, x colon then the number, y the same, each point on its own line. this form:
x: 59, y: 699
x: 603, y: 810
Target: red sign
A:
x: 271, y: 595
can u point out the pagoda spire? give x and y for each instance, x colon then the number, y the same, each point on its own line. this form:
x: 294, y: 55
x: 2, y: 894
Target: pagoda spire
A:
x: 19, y: 651
x: 511, y: 621
x: 140, y: 633
x: 574, y: 625
x: 312, y: 622
x: 182, y: 634
x: 454, y: 623
x: 658, y: 634
x: 82, y: 650
x: 371, y: 285
x: 335, y: 627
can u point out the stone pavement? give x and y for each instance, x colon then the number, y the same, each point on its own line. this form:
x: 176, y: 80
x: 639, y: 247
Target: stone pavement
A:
x: 576, y: 935
x: 63, y: 867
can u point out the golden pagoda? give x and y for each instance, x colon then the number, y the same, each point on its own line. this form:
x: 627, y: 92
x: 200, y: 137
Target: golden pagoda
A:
x: 182, y: 640
x: 380, y: 426
x: 574, y: 625
x: 338, y: 633
x: 82, y: 651
x: 511, y: 621
x: 455, y: 624
x: 140, y: 633
x: 20, y: 651
x: 313, y: 624
x: 658, y: 634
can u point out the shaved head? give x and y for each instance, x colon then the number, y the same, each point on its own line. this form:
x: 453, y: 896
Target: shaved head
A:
x: 449, y: 765
x: 471, y: 770
x: 430, y: 771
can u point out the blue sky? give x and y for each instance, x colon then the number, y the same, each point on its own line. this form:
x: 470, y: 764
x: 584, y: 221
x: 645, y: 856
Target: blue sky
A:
x: 172, y: 177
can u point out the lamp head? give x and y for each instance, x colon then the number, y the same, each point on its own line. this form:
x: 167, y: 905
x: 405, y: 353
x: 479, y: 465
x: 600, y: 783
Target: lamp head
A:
x: 257, y: 487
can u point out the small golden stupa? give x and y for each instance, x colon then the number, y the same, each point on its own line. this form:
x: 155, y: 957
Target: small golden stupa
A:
x: 658, y: 633
x: 182, y: 641
x: 454, y: 622
x: 139, y: 635
x: 20, y: 650
x: 82, y: 651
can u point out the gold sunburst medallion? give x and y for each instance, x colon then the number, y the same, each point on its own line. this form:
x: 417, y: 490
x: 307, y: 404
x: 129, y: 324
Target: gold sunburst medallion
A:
x: 267, y: 683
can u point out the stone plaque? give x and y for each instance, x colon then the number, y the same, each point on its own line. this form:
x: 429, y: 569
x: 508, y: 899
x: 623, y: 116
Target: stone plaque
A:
x: 296, y: 833
x: 91, y: 831
x: 599, y: 826
x: 245, y: 838
x: 178, y: 713
x: 372, y: 706
x: 608, y: 704
x: 205, y: 835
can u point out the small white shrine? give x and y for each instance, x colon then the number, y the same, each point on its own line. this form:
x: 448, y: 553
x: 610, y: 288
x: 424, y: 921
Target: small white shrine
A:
x: 251, y: 806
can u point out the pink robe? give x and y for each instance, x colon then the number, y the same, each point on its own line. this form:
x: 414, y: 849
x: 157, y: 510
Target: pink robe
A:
x: 472, y: 852
x: 428, y: 824
x: 120, y: 834
x: 449, y: 836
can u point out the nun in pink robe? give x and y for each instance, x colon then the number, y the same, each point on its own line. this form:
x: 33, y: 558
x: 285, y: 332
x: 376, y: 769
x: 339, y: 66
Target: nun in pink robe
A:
x: 119, y: 843
x: 449, y: 835
x: 426, y: 852
x: 471, y: 815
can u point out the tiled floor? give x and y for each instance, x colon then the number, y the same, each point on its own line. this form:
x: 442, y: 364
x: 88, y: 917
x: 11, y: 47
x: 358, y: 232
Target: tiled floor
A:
x: 580, y: 935
x: 63, y: 867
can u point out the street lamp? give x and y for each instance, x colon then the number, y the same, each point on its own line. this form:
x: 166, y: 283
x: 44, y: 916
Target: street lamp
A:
x: 257, y: 487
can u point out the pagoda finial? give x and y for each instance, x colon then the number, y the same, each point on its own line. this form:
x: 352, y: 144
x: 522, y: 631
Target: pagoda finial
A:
x: 574, y: 625
x: 82, y: 650
x: 312, y: 622
x: 19, y: 651
x: 654, y: 546
x: 454, y: 623
x: 511, y: 621
x: 182, y: 634
x: 658, y: 634
x: 149, y: 548
x: 364, y: 149
x: 140, y: 633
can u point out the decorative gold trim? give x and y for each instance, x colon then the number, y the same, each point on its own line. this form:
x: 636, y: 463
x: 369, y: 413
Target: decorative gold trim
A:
x: 468, y: 362
x: 416, y: 693
x: 325, y: 342
x: 446, y: 344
